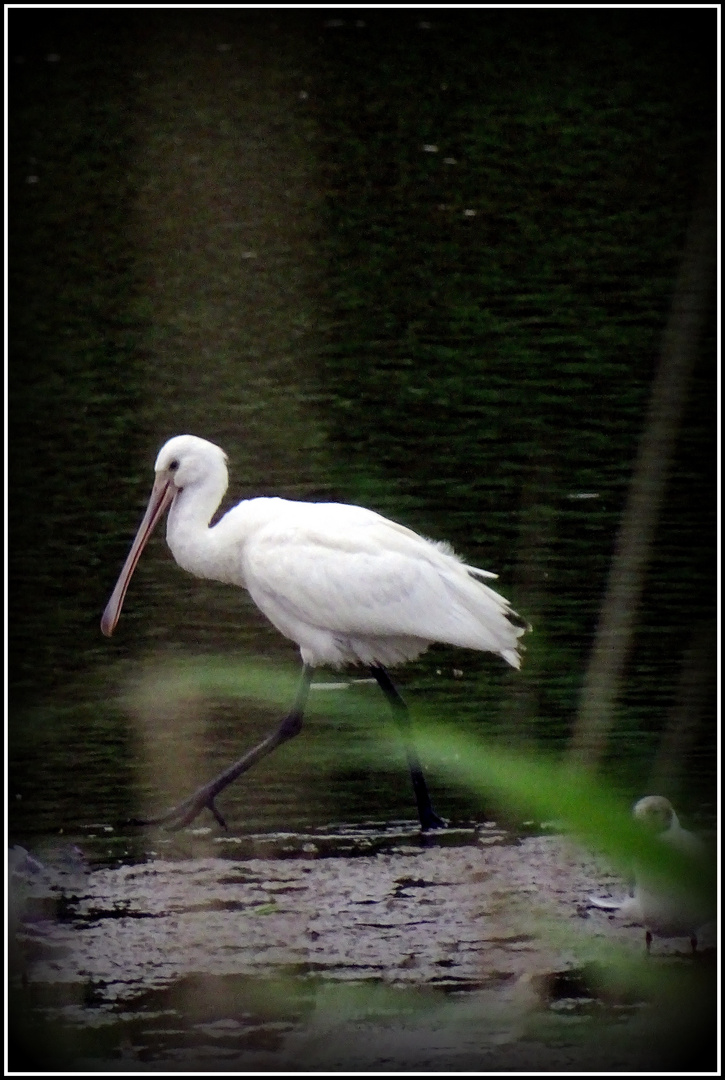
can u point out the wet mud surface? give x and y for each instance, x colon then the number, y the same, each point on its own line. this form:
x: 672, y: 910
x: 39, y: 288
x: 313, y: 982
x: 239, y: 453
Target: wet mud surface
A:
x: 361, y: 949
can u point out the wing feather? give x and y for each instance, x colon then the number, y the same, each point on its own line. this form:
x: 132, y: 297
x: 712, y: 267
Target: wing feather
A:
x: 360, y: 575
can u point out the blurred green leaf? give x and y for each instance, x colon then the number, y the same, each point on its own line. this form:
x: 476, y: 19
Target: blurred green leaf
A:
x: 527, y: 782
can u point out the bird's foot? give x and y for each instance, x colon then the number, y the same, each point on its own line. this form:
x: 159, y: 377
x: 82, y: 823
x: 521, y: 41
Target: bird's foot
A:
x: 182, y: 815
x: 430, y: 820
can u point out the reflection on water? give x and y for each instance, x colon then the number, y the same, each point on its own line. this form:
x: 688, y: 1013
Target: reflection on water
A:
x: 235, y: 228
x: 342, y: 947
x: 420, y: 264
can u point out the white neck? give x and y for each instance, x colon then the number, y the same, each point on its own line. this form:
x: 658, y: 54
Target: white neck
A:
x: 187, y: 528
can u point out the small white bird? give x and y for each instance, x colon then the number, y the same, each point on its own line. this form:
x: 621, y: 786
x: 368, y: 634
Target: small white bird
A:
x: 665, y: 911
x: 346, y: 584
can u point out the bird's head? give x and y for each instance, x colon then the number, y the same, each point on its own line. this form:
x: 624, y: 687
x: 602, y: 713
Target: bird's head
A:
x: 183, y: 463
x: 188, y: 461
x: 655, y: 813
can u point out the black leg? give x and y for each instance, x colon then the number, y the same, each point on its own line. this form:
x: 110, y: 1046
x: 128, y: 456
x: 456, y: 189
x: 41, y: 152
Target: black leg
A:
x: 428, y: 817
x: 185, y: 812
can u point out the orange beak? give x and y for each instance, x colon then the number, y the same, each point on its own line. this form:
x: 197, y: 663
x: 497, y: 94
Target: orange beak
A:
x: 162, y: 495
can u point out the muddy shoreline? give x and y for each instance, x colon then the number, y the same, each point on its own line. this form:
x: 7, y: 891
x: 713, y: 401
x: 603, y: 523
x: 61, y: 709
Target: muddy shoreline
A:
x: 357, y: 950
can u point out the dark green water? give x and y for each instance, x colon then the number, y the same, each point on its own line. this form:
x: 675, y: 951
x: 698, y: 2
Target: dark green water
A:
x: 422, y: 268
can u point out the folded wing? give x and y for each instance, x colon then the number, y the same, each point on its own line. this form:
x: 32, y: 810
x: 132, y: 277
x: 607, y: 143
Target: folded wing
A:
x: 377, y: 583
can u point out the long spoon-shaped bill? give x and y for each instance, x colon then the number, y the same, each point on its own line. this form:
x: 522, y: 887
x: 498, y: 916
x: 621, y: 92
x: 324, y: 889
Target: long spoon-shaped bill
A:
x: 162, y: 495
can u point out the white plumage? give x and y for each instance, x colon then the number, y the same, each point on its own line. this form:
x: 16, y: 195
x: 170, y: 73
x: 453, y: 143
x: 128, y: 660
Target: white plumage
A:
x: 664, y: 910
x: 343, y: 582
x: 346, y: 584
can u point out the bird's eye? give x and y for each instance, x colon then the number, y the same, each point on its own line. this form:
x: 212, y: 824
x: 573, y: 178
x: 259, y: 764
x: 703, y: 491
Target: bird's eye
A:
x: 173, y: 465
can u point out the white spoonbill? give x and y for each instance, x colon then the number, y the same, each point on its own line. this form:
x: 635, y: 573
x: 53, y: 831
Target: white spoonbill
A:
x: 664, y: 910
x: 344, y: 583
